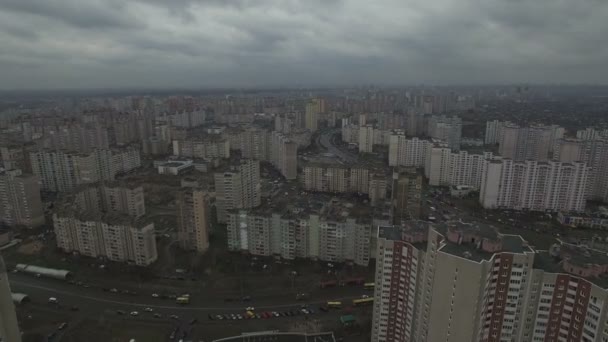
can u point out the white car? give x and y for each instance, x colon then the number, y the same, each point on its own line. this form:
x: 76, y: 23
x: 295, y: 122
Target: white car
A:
x: 134, y: 313
x: 148, y: 310
x: 250, y: 308
x: 53, y: 300
x: 155, y: 295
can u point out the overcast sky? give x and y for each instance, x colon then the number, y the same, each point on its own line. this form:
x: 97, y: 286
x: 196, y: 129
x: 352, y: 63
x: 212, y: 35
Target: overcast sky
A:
x: 248, y: 43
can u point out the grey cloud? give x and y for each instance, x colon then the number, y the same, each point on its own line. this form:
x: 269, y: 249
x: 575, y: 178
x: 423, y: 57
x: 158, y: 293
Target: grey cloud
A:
x: 157, y: 43
x: 89, y: 14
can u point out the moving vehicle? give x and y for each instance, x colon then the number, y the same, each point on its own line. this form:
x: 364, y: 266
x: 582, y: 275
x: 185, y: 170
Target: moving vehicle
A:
x: 182, y: 300
x: 334, y: 305
x: 148, y: 310
x: 369, y: 286
x: 62, y: 326
x: 363, y: 301
x: 352, y: 281
x: 53, y: 300
x: 134, y: 313
x: 328, y: 283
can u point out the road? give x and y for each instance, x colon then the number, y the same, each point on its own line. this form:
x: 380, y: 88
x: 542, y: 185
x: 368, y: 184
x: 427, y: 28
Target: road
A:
x: 325, y: 138
x: 40, y: 289
x: 94, y: 303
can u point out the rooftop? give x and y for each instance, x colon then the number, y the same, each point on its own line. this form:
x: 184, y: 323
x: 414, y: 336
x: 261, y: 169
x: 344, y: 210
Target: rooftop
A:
x: 478, y: 241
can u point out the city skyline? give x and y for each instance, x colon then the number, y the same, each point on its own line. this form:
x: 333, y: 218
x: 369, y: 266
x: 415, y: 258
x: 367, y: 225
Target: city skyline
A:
x: 189, y: 44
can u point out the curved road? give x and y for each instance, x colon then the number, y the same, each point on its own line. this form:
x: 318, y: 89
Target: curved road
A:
x: 325, y: 139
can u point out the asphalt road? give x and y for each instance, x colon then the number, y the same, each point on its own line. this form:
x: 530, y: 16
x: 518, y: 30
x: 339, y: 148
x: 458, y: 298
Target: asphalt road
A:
x: 325, y: 140
x: 94, y: 303
x: 93, y: 299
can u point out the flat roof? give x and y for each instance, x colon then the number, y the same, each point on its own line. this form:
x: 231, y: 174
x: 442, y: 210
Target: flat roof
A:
x: 510, y: 243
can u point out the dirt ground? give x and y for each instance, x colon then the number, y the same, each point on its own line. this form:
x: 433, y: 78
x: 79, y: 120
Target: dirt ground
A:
x: 30, y: 248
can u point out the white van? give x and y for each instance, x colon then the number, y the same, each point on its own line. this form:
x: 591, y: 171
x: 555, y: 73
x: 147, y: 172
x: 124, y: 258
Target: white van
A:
x: 53, y: 300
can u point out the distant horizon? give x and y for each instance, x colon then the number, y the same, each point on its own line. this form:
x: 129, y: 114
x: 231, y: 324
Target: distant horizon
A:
x: 296, y: 87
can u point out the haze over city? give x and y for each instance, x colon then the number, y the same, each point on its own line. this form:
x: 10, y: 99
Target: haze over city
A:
x: 238, y: 43
x: 303, y: 171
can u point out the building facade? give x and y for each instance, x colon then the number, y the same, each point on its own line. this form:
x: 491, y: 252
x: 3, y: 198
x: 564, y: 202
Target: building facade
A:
x: 61, y: 171
x: 532, y: 185
x: 467, y: 282
x: 20, y: 202
x: 366, y: 139
x: 302, y: 236
x: 115, y: 237
x: 407, y: 152
x: 238, y: 187
x: 447, y: 129
x: 211, y: 147
x: 337, y: 178
x: 533, y: 142
x: 9, y: 326
x: 407, y: 195
x: 193, y: 220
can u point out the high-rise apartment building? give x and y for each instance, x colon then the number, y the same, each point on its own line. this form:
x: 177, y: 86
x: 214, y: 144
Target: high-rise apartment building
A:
x: 533, y: 142
x: 124, y: 198
x: 407, y: 194
x: 446, y: 168
x: 533, y: 185
x: 468, y: 282
x: 20, y: 202
x: 407, y: 152
x: 594, y: 152
x: 193, y: 220
x: 311, y: 117
x: 9, y: 326
x: 366, y: 139
x: 284, y: 155
x: 447, y: 129
x: 332, y: 232
x: 569, y: 150
x: 61, y: 171
x: 105, y: 221
x: 238, y: 187
x: 591, y: 133
x: 255, y: 143
x: 338, y: 178
x: 80, y: 138
x: 113, y: 236
x: 209, y: 147
x: 493, y: 132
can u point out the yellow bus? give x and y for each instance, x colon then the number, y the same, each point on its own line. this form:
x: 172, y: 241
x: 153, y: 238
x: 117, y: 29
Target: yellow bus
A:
x: 182, y: 300
x: 363, y: 301
x: 369, y: 286
x: 335, y: 305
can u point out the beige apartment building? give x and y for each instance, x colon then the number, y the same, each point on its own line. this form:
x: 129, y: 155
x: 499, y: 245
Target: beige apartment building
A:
x: 106, y: 220
x: 62, y: 171
x: 20, y: 202
x: 338, y: 178
x: 237, y: 187
x: 407, y: 152
x: 193, y: 220
x: 460, y: 281
x: 209, y: 147
x: 532, y: 185
x: 332, y: 231
x: 407, y: 194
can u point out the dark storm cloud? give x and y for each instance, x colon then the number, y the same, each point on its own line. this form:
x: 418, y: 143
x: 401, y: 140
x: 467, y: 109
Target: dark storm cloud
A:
x: 163, y: 43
